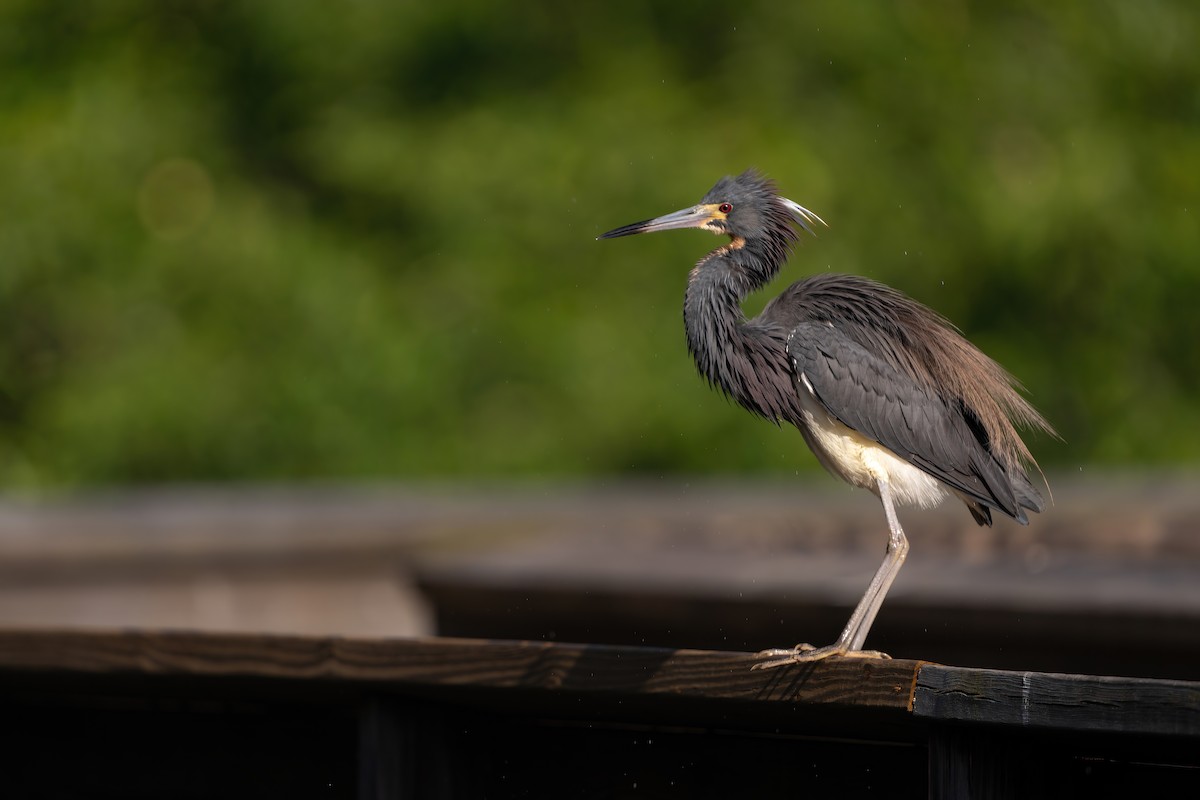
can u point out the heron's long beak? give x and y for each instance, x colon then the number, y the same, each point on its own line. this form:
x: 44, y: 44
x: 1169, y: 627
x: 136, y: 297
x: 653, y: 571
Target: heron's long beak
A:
x: 694, y: 217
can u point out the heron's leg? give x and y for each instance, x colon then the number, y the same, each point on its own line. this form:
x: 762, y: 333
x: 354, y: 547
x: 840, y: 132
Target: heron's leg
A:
x: 855, y: 633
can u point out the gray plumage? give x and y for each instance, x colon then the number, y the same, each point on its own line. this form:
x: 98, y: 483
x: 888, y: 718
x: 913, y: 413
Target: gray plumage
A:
x: 882, y: 363
x: 887, y: 393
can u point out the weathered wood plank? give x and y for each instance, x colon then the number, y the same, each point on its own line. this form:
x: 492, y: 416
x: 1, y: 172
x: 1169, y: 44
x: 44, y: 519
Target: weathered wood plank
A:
x: 553, y: 670
x: 1063, y: 702
x: 539, y: 666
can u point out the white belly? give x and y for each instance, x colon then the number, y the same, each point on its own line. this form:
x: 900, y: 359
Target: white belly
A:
x: 860, y: 461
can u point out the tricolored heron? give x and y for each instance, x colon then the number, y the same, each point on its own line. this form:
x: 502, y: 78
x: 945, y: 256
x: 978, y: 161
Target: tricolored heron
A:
x: 886, y: 392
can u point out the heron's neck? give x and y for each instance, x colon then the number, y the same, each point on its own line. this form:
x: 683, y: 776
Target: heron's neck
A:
x: 727, y: 351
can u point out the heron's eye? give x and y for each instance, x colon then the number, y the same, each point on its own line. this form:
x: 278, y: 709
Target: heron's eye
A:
x: 725, y: 208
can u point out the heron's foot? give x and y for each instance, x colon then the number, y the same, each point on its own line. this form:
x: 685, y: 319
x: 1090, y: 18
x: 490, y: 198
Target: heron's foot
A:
x: 805, y: 653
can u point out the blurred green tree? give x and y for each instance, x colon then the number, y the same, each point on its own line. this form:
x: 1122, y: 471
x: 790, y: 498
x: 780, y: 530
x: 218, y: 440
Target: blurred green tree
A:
x: 275, y: 240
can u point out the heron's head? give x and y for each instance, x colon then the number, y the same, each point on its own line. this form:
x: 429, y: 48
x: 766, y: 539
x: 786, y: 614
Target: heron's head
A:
x: 744, y: 208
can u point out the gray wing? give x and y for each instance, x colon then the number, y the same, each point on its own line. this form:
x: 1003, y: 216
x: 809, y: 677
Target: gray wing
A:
x: 869, y: 395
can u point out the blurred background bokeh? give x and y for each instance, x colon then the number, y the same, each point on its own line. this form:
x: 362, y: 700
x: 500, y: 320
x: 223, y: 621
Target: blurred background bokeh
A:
x: 297, y: 243
x: 271, y: 240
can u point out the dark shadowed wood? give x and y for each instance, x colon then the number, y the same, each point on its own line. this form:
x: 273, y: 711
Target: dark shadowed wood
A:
x: 546, y: 667
x: 1062, y: 702
x: 140, y: 713
x: 945, y: 694
x: 984, y: 766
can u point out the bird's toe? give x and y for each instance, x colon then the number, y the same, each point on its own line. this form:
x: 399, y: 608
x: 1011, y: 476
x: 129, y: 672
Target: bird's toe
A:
x: 806, y: 653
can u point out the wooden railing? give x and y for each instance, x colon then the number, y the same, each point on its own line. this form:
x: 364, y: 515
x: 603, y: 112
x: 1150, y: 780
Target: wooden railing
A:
x: 156, y: 714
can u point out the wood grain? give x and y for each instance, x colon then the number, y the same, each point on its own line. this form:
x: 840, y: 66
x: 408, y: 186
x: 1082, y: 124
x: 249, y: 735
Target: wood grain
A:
x: 559, y: 671
x: 536, y: 666
x: 1061, y: 702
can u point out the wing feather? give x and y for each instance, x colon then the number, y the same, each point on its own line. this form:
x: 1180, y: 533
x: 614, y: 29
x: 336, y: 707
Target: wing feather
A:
x: 869, y: 395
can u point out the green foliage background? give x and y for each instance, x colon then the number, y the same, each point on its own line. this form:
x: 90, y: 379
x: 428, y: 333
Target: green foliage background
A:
x: 281, y: 240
